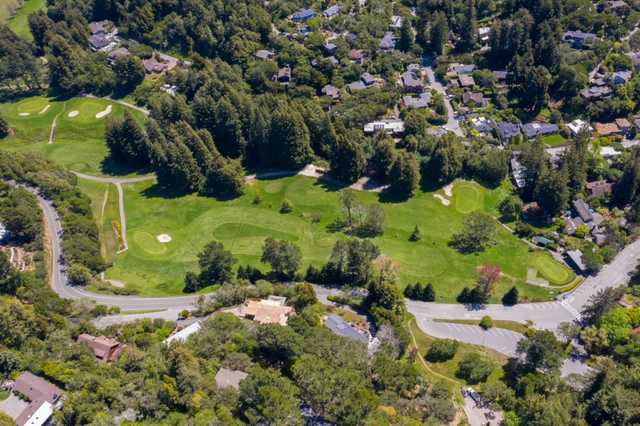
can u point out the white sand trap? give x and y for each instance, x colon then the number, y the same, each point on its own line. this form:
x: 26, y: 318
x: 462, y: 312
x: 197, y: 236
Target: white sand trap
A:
x: 45, y: 109
x: 73, y: 114
x: 24, y: 114
x: 164, y: 238
x: 445, y: 201
x: 106, y: 111
x: 448, y: 190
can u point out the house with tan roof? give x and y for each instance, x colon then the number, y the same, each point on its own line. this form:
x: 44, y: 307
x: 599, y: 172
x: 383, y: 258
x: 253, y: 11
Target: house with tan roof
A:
x: 267, y: 311
x: 104, y: 348
x: 607, y: 129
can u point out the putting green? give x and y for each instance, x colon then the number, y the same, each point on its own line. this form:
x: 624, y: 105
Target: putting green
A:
x: 550, y: 270
x: 467, y: 197
x: 32, y: 105
x: 149, y: 243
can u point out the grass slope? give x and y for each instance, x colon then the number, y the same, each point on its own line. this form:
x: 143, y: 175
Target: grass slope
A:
x: 104, y: 203
x: 79, y: 141
x: 19, y: 22
x: 192, y: 221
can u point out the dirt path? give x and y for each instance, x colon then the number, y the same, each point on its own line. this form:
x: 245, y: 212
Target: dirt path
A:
x: 52, y: 132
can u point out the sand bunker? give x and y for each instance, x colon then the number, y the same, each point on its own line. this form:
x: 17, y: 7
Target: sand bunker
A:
x: 45, y: 109
x: 106, y: 111
x: 445, y: 201
x: 24, y: 114
x: 163, y: 238
x: 73, y: 114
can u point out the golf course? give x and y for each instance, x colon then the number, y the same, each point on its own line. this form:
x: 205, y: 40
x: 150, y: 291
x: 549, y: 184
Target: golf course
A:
x: 166, y: 232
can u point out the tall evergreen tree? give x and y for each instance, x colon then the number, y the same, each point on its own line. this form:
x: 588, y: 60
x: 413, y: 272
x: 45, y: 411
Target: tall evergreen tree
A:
x: 289, y: 138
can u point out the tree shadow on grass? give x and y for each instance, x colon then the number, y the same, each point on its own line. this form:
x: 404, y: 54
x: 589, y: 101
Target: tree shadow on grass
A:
x: 112, y: 167
x: 158, y: 191
x: 330, y: 184
x: 393, y: 197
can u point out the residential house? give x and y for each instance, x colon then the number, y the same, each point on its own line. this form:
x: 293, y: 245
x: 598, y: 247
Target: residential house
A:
x: 599, y: 188
x: 482, y: 124
x: 366, y: 81
x: 466, y: 80
x: 621, y: 77
x: 182, y: 334
x: 284, y: 75
x: 119, y: 53
x: 332, y: 11
x: 416, y: 102
x: 582, y: 209
x: 579, y: 39
x: 388, y: 42
x: 267, y: 311
x: 340, y: 327
x: 607, y: 129
x: 103, y: 35
x: 619, y: 7
x: 533, y: 130
x: 596, y: 92
x: 159, y: 63
x: 624, y: 125
x: 396, y: 22
x: 507, y: 131
x: 575, y: 259
x: 100, y: 42
x: 460, y: 69
x: 411, y: 82
x: 332, y: 91
x: 474, y: 99
x: 608, y: 152
x: 394, y: 127
x: 265, y: 55
x: 105, y: 27
x: 104, y: 348
x: 577, y: 125
x: 226, y: 378
x: 484, y: 33
x: 303, y: 15
x: 518, y: 171
x: 501, y: 76
x: 330, y: 48
x: 635, y: 59
x: 356, y: 56
x: 33, y: 400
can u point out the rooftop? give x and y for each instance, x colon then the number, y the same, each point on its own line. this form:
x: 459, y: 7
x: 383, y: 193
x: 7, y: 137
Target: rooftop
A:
x: 342, y: 328
x: 266, y: 311
x: 104, y: 348
x: 226, y: 378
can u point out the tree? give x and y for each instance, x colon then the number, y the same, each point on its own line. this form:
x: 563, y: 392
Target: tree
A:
x: 478, y: 233
x: 487, y: 279
x: 303, y: 295
x: 469, y: 28
x: 4, y: 128
x: 474, y: 368
x: 439, y: 33
x: 447, y: 160
x: 350, y: 262
x: 486, y: 322
x: 405, y: 43
x: 216, y: 264
x: 405, y: 174
x: 384, y: 157
x: 10, y: 279
x: 347, y: 160
x: 127, y: 141
x: 79, y: 275
x: 442, y: 350
x: 267, y: 397
x: 510, y: 298
x: 600, y: 303
x: 428, y: 294
x: 415, y: 234
x: 511, y: 208
x: 540, y: 351
x: 289, y: 138
x: 191, y: 282
x: 129, y: 72
x: 552, y: 192
x: 283, y: 256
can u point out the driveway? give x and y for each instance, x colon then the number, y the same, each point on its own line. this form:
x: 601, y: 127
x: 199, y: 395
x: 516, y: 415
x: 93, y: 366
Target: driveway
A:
x: 480, y: 416
x: 452, y: 124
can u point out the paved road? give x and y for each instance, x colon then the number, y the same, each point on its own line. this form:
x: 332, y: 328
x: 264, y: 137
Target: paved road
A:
x: 480, y: 416
x: 452, y: 124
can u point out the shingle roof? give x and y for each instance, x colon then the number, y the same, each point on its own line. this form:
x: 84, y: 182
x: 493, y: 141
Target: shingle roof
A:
x: 342, y: 328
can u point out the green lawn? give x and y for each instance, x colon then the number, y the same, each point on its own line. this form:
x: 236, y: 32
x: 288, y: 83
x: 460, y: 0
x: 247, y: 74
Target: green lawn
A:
x: 550, y: 270
x: 554, y: 140
x: 154, y: 268
x: 19, y: 21
x: 79, y: 140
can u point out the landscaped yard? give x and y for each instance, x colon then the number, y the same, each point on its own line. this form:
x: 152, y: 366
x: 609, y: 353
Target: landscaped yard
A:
x: 79, y: 139
x: 155, y: 268
x: 554, y: 140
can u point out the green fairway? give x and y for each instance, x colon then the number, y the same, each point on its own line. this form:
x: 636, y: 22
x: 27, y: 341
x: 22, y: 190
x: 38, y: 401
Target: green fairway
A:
x: 155, y: 268
x: 79, y: 139
x: 19, y: 22
x: 551, y: 270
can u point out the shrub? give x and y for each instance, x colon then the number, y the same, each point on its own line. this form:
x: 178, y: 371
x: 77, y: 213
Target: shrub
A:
x: 486, y: 322
x: 442, y: 350
x: 511, y: 297
x: 79, y: 275
x: 415, y: 235
x: 474, y: 368
x: 286, y: 207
